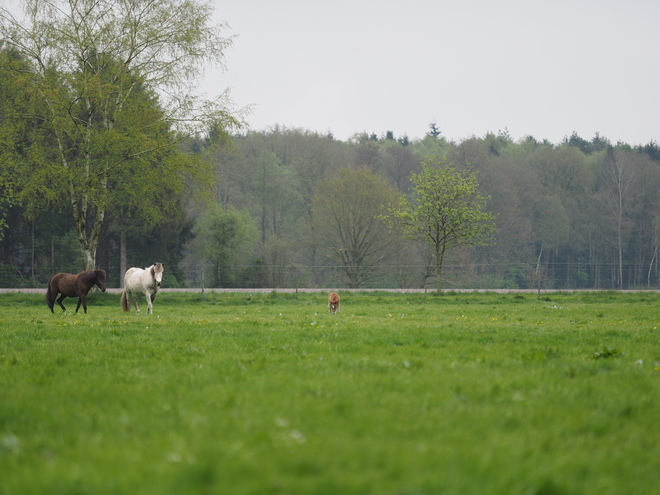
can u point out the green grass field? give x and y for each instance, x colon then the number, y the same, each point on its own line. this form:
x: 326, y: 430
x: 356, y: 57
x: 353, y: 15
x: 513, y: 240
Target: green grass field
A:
x: 268, y: 394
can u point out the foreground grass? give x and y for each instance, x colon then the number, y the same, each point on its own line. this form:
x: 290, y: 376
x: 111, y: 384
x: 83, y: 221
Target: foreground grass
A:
x: 397, y: 394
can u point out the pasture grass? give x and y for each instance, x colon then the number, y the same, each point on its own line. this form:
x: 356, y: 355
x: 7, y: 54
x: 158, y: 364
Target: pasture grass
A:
x: 477, y: 393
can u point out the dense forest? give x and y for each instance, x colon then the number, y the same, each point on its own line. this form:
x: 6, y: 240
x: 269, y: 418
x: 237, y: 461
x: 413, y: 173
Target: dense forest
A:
x: 583, y: 213
x: 109, y: 158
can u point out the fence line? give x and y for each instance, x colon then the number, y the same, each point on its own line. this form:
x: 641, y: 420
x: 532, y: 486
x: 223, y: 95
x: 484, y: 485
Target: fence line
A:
x: 469, y: 276
x: 199, y: 290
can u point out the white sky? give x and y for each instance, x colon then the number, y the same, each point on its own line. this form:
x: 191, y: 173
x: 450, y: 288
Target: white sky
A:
x: 541, y: 68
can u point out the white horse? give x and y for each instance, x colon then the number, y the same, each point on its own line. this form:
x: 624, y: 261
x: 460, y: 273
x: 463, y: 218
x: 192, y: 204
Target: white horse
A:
x: 137, y: 282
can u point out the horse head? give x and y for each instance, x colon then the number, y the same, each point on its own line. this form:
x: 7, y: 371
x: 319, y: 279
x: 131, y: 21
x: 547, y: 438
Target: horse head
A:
x: 157, y: 271
x: 100, y: 279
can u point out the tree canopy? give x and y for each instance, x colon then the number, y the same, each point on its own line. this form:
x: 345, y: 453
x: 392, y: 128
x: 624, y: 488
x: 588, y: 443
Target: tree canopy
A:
x: 446, y: 210
x: 110, y: 86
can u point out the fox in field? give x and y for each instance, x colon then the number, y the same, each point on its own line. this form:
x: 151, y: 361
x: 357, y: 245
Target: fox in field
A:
x: 333, y: 303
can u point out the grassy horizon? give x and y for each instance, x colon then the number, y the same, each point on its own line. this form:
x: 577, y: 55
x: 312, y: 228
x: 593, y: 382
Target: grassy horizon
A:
x: 397, y: 394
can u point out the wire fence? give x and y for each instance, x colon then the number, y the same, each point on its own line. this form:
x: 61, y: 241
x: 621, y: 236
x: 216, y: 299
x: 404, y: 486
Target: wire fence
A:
x: 455, y: 276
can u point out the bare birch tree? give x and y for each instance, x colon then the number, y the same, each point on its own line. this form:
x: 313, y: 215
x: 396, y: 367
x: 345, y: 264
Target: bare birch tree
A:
x: 617, y: 179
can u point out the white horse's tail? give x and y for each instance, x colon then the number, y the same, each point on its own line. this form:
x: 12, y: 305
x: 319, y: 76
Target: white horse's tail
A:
x: 124, y: 301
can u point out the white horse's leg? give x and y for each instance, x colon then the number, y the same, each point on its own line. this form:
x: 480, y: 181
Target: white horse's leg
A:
x: 134, y: 298
x: 150, y: 306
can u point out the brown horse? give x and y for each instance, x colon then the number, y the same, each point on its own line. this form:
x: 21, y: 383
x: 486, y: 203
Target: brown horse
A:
x: 74, y: 286
x: 333, y: 303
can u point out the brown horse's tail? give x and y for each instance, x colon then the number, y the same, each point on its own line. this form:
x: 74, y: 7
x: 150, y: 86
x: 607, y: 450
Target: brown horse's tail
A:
x: 50, y: 300
x: 124, y: 301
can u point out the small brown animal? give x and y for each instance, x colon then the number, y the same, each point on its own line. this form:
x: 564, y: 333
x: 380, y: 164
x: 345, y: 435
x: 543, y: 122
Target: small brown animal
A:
x: 333, y: 302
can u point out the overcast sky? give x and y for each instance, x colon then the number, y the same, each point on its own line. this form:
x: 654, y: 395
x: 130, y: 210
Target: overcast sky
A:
x: 541, y: 68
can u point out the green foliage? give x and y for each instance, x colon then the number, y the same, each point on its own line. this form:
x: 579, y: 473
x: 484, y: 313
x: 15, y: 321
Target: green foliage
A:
x: 15, y: 129
x: 222, y: 239
x: 106, y: 140
x: 446, y: 210
x: 597, y: 144
x: 248, y: 393
x: 607, y: 352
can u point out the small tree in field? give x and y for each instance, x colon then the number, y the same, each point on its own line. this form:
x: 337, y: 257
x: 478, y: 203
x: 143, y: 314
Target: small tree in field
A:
x: 446, y: 210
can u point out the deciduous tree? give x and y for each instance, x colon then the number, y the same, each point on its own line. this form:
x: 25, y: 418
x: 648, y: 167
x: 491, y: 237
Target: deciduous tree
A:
x: 445, y: 209
x: 223, y: 238
x: 616, y: 191
x: 13, y: 129
x: 115, y: 81
x: 347, y: 214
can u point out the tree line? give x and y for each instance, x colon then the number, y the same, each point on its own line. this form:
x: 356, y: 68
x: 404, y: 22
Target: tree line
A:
x: 108, y: 160
x: 576, y: 214
x: 289, y: 205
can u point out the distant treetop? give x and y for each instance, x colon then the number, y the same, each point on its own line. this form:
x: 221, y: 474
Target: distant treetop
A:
x: 433, y: 130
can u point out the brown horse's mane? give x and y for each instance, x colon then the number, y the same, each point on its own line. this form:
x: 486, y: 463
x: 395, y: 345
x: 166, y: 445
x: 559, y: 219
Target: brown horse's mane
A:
x: 91, y: 276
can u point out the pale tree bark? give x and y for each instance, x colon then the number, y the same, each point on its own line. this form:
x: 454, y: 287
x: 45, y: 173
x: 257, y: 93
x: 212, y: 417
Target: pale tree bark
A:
x: 618, y: 177
x: 648, y: 276
x: 123, y: 258
x: 428, y: 264
x: 537, y: 274
x: 440, y: 248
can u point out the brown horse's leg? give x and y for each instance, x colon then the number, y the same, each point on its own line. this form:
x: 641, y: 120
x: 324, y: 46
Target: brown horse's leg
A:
x: 59, y: 301
x: 81, y: 299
